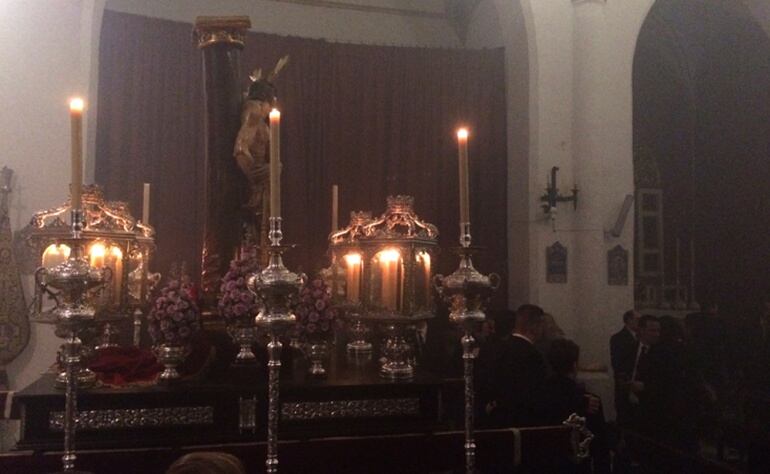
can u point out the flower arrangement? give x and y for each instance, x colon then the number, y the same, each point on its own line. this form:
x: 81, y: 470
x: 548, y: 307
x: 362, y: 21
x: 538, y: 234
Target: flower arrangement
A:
x: 236, y: 301
x: 175, y: 316
x: 315, y: 314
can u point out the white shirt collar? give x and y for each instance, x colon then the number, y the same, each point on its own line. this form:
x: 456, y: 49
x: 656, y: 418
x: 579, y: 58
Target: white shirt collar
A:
x: 522, y: 336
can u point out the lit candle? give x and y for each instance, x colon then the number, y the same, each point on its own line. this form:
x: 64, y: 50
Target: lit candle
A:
x: 389, y: 260
x: 425, y: 259
x: 76, y: 124
x: 275, y: 163
x: 462, y: 144
x: 97, y: 253
x: 116, y: 265
x: 146, y: 204
x: 55, y: 254
x: 335, y: 207
x: 353, y: 276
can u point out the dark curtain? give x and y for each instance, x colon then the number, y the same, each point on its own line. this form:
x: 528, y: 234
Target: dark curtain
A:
x: 375, y: 120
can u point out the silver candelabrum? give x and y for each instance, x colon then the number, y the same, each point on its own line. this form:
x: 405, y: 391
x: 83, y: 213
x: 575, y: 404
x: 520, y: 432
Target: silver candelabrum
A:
x: 467, y: 292
x: 72, y: 282
x: 278, y: 289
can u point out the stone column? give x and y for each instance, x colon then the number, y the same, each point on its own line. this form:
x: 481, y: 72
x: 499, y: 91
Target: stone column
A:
x: 220, y: 40
x: 603, y: 171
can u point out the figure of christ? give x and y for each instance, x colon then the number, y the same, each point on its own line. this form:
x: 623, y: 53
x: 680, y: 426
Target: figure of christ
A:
x: 252, y: 154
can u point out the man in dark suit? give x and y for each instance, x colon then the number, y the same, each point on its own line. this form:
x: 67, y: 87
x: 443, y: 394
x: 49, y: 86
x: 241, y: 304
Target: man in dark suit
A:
x: 648, y: 383
x: 512, y: 372
x: 623, y: 345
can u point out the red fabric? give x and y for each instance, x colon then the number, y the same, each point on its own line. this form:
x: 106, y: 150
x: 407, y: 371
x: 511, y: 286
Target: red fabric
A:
x: 124, y: 365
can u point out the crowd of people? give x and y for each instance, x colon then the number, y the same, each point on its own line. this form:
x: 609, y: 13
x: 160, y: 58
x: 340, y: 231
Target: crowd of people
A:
x: 675, y: 379
x: 680, y: 381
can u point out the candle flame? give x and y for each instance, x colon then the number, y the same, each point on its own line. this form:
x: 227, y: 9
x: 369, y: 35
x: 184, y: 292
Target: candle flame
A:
x: 275, y: 114
x: 97, y: 250
x: 462, y: 133
x: 56, y: 250
x: 77, y: 104
x: 353, y: 259
x: 116, y: 252
x: 389, y: 255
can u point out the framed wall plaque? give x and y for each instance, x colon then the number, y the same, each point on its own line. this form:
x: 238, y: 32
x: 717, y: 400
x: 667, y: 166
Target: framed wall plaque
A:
x: 617, y: 266
x: 556, y: 263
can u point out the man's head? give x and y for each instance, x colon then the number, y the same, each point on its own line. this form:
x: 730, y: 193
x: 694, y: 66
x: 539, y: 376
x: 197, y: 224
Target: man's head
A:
x: 262, y: 91
x: 529, y: 321
x: 563, y: 357
x: 631, y: 320
x: 207, y: 463
x: 649, y: 330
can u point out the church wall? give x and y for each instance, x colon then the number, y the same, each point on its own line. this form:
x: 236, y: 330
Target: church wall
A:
x: 335, y: 24
x: 580, y: 58
x: 484, y: 30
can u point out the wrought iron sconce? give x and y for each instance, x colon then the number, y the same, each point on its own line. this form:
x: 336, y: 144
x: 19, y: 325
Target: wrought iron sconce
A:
x: 552, y: 196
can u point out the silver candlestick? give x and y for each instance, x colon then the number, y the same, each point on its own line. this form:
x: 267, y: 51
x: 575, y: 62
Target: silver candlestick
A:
x: 278, y: 289
x: 72, y: 316
x: 467, y: 292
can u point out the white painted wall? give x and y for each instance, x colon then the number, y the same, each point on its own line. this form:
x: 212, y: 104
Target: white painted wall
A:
x: 484, y: 30
x: 335, y: 24
x: 580, y: 119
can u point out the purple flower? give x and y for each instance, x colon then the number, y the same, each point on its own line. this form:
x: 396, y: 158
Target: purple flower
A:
x: 311, y: 328
x: 313, y: 317
x: 320, y: 305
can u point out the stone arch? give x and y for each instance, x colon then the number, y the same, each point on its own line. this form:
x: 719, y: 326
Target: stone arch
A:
x: 700, y: 107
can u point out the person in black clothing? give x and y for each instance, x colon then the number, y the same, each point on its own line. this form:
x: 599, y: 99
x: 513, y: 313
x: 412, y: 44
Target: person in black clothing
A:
x: 623, y: 345
x: 511, y: 372
x: 647, y: 379
x: 563, y: 395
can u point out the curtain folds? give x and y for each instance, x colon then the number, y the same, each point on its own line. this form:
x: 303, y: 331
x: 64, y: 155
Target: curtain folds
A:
x: 376, y: 120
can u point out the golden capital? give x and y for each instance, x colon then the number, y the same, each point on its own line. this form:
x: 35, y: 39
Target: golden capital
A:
x: 211, y: 30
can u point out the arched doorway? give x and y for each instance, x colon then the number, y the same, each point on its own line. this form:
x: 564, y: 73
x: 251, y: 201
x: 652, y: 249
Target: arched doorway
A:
x: 701, y: 108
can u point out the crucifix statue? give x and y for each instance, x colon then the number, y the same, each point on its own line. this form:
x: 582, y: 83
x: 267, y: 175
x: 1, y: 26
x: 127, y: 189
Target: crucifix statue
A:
x: 251, y: 153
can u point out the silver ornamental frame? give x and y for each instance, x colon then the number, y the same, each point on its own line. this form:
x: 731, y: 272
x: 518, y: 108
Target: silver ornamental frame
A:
x: 467, y: 292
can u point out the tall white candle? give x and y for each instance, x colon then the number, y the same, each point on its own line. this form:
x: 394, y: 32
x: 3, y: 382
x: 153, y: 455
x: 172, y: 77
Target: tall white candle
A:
x: 146, y: 204
x: 353, y: 276
x: 275, y: 163
x: 335, y: 207
x: 76, y: 125
x: 462, y: 145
